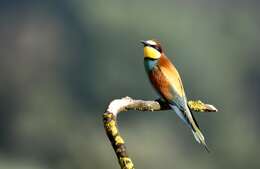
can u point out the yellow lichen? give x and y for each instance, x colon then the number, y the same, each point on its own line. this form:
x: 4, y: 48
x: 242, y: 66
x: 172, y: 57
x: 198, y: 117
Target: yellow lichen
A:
x: 111, y: 123
x: 197, y: 105
x: 108, y: 115
x: 119, y: 140
x: 126, y: 163
x: 113, y: 128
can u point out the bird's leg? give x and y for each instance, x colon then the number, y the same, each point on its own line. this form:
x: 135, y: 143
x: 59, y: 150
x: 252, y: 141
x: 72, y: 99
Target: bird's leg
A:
x: 163, y: 103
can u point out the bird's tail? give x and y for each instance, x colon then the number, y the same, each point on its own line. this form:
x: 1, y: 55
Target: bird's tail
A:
x: 188, y: 118
x: 200, y: 138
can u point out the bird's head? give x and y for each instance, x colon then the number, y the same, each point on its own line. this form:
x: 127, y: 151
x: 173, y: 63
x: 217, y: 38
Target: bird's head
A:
x: 152, y: 49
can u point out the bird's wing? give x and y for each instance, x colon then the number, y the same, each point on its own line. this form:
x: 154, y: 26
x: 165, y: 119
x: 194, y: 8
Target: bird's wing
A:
x: 178, y: 100
x: 172, y: 75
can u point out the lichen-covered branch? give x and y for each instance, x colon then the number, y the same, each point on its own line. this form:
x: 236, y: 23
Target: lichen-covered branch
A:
x: 199, y: 106
x: 127, y: 103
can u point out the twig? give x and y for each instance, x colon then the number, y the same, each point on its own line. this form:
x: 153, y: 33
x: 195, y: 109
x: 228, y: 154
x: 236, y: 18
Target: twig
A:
x: 127, y: 103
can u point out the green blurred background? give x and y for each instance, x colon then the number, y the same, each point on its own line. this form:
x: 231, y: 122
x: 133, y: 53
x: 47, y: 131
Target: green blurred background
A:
x: 62, y: 62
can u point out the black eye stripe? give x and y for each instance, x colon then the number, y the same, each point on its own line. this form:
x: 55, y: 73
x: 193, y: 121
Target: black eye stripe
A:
x: 156, y: 47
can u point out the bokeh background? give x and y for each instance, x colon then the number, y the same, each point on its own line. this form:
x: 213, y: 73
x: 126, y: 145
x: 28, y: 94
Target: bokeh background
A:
x: 62, y: 62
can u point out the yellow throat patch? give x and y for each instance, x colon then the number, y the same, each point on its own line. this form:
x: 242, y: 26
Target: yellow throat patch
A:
x: 150, y: 52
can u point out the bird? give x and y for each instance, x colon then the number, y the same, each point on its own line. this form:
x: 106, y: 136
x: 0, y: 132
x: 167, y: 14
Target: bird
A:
x: 166, y: 80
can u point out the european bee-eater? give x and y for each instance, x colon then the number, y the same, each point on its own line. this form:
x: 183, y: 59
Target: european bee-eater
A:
x: 167, y: 82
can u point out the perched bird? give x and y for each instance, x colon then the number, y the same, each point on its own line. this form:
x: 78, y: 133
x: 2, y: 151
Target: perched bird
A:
x: 167, y: 82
